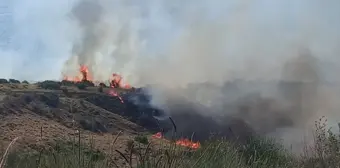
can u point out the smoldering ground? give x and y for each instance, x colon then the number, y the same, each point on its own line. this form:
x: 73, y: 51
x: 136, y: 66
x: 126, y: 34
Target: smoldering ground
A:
x: 248, y: 66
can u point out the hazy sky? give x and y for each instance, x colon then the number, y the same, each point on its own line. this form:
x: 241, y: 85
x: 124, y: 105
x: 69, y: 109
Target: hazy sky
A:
x: 42, y: 34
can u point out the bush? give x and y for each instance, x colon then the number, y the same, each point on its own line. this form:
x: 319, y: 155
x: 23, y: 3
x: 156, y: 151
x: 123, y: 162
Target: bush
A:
x: 3, y: 81
x: 52, y: 85
x: 265, y: 151
x: 25, y: 82
x: 87, y: 83
x: 102, y: 85
x: 67, y: 83
x: 14, y: 81
x: 81, y: 86
x: 142, y: 139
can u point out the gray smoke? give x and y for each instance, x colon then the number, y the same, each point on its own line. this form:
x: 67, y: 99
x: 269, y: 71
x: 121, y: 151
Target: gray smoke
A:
x: 264, y: 64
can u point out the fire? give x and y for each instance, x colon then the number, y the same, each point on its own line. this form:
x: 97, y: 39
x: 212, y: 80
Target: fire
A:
x: 188, y: 143
x: 114, y: 93
x: 83, y: 76
x: 181, y: 142
x: 117, y: 82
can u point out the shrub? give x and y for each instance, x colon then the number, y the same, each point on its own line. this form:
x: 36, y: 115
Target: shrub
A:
x: 102, y: 85
x: 81, y: 86
x: 14, y: 81
x: 52, y: 85
x: 142, y: 139
x: 25, y: 82
x: 67, y: 83
x: 87, y: 83
x: 3, y: 81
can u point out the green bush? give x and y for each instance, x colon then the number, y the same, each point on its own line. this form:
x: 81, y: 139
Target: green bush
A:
x: 67, y: 83
x: 3, y: 81
x: 25, y: 82
x: 81, y: 86
x: 142, y: 139
x: 87, y: 83
x: 48, y: 84
x: 14, y: 81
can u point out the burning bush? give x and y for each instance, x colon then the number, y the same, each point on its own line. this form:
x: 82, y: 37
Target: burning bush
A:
x: 48, y: 84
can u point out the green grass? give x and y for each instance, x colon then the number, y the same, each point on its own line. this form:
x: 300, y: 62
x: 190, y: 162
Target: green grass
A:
x: 259, y: 152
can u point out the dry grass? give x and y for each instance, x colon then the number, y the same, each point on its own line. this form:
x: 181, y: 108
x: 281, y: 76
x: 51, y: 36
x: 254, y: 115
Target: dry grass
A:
x: 4, y: 157
x: 258, y: 152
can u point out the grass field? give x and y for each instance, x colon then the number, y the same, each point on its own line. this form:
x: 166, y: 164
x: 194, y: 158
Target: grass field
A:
x: 257, y: 153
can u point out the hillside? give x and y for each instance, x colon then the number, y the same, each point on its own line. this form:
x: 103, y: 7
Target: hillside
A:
x: 41, y: 117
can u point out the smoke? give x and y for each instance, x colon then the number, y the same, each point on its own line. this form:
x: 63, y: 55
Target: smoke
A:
x: 269, y: 64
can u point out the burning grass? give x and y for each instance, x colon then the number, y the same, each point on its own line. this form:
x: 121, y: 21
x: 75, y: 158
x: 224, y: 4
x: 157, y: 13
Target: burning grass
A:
x: 258, y: 152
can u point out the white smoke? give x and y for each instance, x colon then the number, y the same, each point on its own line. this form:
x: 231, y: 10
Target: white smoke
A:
x: 177, y: 43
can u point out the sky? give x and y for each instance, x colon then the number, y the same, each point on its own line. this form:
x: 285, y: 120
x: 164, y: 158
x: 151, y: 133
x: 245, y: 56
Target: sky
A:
x: 42, y: 33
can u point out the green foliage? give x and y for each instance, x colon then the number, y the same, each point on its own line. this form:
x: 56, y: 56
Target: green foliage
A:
x: 14, y: 81
x: 84, y: 84
x: 62, y: 155
x: 142, y: 139
x: 48, y: 84
x: 3, y: 81
x: 25, y: 82
x: 87, y: 83
x: 81, y: 86
x: 67, y: 83
x: 265, y: 151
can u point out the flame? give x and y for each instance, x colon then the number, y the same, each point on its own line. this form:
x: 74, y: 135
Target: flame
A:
x: 118, y: 82
x: 181, y: 142
x: 188, y: 143
x: 84, y: 75
x: 115, y: 93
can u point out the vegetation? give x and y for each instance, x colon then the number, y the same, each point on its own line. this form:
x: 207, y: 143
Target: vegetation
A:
x: 3, y: 81
x: 81, y: 86
x: 14, y: 81
x: 67, y: 83
x: 51, y: 85
x: 142, y: 139
x: 257, y: 153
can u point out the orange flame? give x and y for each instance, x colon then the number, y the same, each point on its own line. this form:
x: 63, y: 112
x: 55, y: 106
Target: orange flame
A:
x: 182, y: 142
x: 83, y: 76
x: 114, y: 93
x: 118, y: 82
